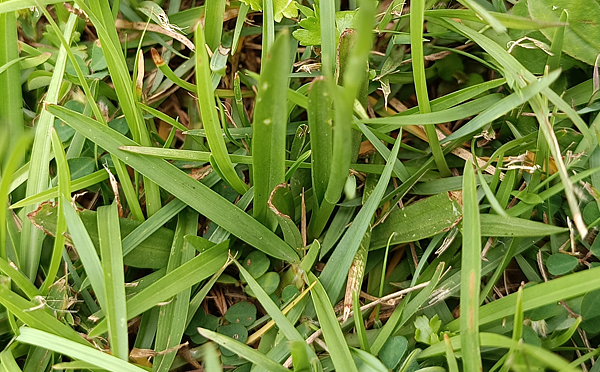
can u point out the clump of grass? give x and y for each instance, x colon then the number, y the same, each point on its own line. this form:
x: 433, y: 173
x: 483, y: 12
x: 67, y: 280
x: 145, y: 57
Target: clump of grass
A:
x: 183, y: 189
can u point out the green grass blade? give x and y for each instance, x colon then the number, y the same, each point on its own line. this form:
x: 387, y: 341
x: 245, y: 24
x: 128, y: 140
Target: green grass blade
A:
x: 563, y: 288
x: 334, y: 275
x: 470, y: 273
x: 191, y: 192
x: 210, y: 117
x: 64, y: 188
x: 213, y: 24
x: 269, y: 128
x: 75, y: 350
x: 505, y: 105
x: 11, y: 106
x: 243, y: 351
x: 37, y: 180
x: 78, y: 184
x: 109, y: 234
x: 417, y: 9
x: 172, y: 316
x: 320, y: 120
x: 484, y: 14
x: 86, y: 251
x: 101, y: 16
x: 328, y: 36
x: 557, y: 43
x: 212, y: 363
x: 14, y: 5
x: 359, y: 323
x: 332, y: 332
x: 8, y: 171
x: 178, y: 280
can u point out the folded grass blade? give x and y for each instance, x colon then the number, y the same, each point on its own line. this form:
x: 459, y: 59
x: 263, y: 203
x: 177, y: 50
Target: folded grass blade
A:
x: 109, y: 235
x: 210, y: 117
x: 269, y: 128
x: 470, y: 273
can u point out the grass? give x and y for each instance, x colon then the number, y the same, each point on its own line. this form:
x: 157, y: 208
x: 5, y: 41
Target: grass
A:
x: 212, y: 186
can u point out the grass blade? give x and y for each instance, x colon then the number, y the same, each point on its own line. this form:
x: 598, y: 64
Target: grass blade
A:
x: 332, y: 332
x: 181, y: 278
x: 172, y: 316
x: 243, y: 351
x: 109, y: 235
x: 269, y: 128
x: 320, y: 120
x: 470, y: 273
x: 484, y: 14
x: 191, y: 192
x: 213, y: 22
x: 210, y: 117
x: 75, y: 350
x: 64, y: 188
x: 334, y: 275
x: 37, y: 180
x: 417, y: 9
x: 86, y: 251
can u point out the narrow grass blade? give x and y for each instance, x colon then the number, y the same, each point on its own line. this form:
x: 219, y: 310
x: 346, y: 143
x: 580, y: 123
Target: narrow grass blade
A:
x: 213, y: 24
x: 505, y: 105
x: 37, y: 180
x: 417, y: 9
x: 563, y: 288
x: 360, y: 324
x: 470, y: 273
x: 557, y: 43
x: 269, y: 128
x: 191, y: 192
x: 15, y: 157
x: 484, y: 14
x: 332, y: 332
x: 210, y: 117
x: 11, y: 106
x: 334, y: 275
x: 243, y: 351
x: 109, y: 234
x: 100, y: 14
x: 281, y: 321
x: 406, y: 310
x: 328, y: 36
x: 64, y: 188
x: 86, y: 251
x: 493, y: 340
x: 75, y: 350
x: 181, y: 278
x: 320, y: 121
x: 172, y: 316
x: 13, y: 5
x: 450, y: 357
x: 78, y: 184
x: 212, y: 363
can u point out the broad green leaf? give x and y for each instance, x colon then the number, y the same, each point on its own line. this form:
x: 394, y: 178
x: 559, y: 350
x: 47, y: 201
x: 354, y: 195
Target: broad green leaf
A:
x: 561, y: 264
x: 151, y: 253
x: 193, y: 193
x: 581, y: 38
x: 420, y: 220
